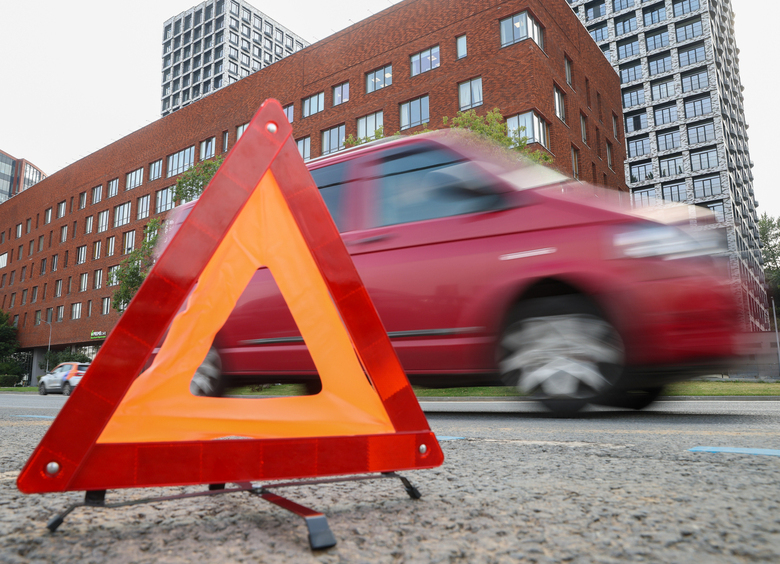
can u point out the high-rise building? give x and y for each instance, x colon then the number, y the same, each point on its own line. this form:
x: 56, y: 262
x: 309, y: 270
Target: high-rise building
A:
x: 16, y: 175
x: 215, y: 44
x: 686, y: 134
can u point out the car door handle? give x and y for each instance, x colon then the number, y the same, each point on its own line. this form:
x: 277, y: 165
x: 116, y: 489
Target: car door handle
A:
x: 366, y: 240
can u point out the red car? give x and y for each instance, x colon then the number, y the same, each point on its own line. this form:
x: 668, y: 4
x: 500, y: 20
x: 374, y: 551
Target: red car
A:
x: 490, y: 270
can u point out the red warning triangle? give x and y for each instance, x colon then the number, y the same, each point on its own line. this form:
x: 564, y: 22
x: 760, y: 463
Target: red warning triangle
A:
x: 120, y: 429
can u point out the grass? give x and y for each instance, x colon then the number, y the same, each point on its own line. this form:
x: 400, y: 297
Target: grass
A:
x: 695, y: 388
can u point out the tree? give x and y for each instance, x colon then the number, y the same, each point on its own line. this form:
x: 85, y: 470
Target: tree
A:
x: 9, y: 344
x: 133, y: 270
x: 190, y: 185
x: 769, y: 233
x: 56, y: 357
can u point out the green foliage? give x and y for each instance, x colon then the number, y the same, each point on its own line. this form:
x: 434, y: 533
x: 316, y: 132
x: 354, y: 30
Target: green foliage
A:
x: 352, y: 141
x: 57, y: 357
x: 133, y: 270
x: 9, y: 380
x: 190, y: 184
x: 9, y: 343
x: 769, y: 233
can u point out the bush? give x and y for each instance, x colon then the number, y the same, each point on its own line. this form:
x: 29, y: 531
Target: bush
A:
x: 9, y: 380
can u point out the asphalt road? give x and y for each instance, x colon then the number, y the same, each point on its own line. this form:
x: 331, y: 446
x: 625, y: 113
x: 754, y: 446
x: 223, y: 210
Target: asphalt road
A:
x: 608, y: 486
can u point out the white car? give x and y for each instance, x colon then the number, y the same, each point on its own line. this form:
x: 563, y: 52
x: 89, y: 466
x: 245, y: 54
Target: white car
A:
x: 63, y: 378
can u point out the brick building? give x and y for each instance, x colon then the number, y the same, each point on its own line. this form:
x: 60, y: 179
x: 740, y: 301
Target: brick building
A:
x: 415, y: 62
x: 17, y: 175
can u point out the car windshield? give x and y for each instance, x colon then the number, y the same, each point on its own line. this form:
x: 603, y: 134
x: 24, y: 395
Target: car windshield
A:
x: 83, y: 367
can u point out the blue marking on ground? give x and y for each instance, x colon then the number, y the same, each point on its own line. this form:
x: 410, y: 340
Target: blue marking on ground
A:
x: 36, y: 416
x: 732, y: 450
x: 445, y: 438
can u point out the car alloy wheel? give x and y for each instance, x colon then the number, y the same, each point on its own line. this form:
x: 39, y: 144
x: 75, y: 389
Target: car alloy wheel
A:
x: 562, y: 352
x: 66, y: 389
x: 42, y: 389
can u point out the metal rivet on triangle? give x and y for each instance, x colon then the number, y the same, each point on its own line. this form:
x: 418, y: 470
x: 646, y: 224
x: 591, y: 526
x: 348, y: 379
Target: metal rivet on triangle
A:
x: 52, y: 468
x: 423, y: 449
x: 271, y: 127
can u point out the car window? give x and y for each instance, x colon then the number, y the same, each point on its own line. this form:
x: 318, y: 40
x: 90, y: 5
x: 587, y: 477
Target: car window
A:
x: 429, y: 183
x: 330, y: 180
x: 83, y: 367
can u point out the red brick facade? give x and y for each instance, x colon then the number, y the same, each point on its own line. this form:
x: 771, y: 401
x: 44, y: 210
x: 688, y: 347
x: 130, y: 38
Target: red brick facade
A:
x: 516, y: 79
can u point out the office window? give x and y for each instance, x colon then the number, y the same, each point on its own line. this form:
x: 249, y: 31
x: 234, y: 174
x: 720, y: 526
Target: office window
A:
x: 102, y: 221
x: 628, y: 48
x: 207, y: 148
x: 304, y: 147
x: 414, y: 112
x: 289, y: 111
x: 113, y: 188
x: 643, y: 197
x: 379, y: 78
x: 575, y: 162
x: 425, y: 61
x: 707, y: 186
x: 461, y: 46
x: 682, y: 7
x: 60, y: 313
x: 110, y: 246
x: 97, y: 195
x: 674, y: 192
x: 692, y: 54
x: 631, y: 72
x: 122, y: 214
x: 38, y: 317
x: 105, y: 306
x: 671, y: 166
x: 224, y: 141
x: 134, y: 179
x: 625, y: 24
x: 82, y: 202
x: 665, y: 114
x: 520, y: 27
x: 618, y: 5
x: 313, y: 104
x: 661, y: 90
x: 560, y: 105
x: 46, y: 217
x: 660, y: 64
x: 704, y: 159
x: 43, y: 268
x: 695, y: 81
x: 698, y: 106
x: 75, y: 310
x: 97, y: 279
x: 143, y: 207
x: 63, y: 233
x: 58, y: 288
x: 470, y: 94
x: 81, y: 254
x: 111, y: 279
x: 370, y: 126
x: 636, y: 122
x: 688, y: 30
x: 668, y: 140
x: 333, y: 139
x: 83, y: 281
x: 641, y: 172
x: 633, y: 97
x: 716, y: 208
x: 599, y: 32
x: 164, y: 200
x: 96, y: 250
x: 340, y: 93
x: 584, y: 129
x: 655, y: 15
x: 701, y: 132
x: 595, y: 10
x: 529, y: 125
x: 181, y: 161
x: 128, y: 242
x: 609, y: 155
x: 54, y: 260
x: 657, y: 40
x: 155, y: 170
x: 88, y: 224
x: 639, y: 146
x: 60, y: 213
x: 240, y: 130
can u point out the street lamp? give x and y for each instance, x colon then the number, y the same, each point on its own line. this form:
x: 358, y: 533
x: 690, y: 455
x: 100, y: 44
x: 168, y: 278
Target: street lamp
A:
x: 49, y: 349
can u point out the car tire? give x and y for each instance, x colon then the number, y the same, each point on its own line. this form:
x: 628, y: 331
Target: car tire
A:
x: 42, y: 389
x: 208, y: 380
x: 562, y: 352
x: 631, y: 399
x: 66, y: 389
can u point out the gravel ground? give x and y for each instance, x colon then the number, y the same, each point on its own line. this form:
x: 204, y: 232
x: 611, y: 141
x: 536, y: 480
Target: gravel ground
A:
x: 524, y: 492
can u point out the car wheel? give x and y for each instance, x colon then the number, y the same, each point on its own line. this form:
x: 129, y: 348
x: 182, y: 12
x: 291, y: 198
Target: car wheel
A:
x: 66, y: 389
x: 42, y: 389
x: 208, y: 379
x: 631, y: 399
x: 562, y: 352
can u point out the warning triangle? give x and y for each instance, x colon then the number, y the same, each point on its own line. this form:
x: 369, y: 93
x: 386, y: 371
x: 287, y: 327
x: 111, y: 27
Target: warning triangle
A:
x: 120, y: 429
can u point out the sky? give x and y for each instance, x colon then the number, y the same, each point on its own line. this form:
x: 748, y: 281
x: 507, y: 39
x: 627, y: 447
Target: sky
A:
x: 79, y: 75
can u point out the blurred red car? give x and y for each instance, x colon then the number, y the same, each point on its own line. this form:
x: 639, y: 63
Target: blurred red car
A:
x: 490, y: 270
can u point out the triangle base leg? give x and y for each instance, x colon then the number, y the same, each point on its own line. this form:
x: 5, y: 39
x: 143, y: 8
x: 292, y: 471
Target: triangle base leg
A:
x: 320, y: 535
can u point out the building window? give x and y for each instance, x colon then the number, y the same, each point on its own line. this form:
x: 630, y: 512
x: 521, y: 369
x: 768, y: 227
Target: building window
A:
x: 628, y: 48
x: 470, y: 94
x: 47, y: 216
x: 692, y: 55
x: 333, y: 139
x: 38, y: 317
x: 370, y: 126
x: 289, y: 111
x: 671, y: 166
x: 704, y: 159
x: 698, y: 106
x: 96, y: 250
x: 682, y: 7
x: 43, y: 267
x: 63, y: 233
x: 665, y: 114
x: 83, y: 281
x: 643, y: 197
x: 688, y: 30
x: 81, y: 254
x: 701, y: 133
x: 110, y: 246
x: 661, y: 90
x: 54, y: 260
x: 105, y: 308
x: 164, y: 200
x: 609, y: 155
x: 340, y: 94
x: 618, y: 5
x: 113, y: 188
x: 595, y: 10
x: 122, y: 214
x: 82, y: 203
x: 88, y: 224
x: 414, y: 112
x: 657, y: 40
x: 75, y: 310
x: 143, y: 207
x: 529, y: 126
x: 102, y: 221
x: 97, y: 195
x: 584, y: 128
x: 224, y: 141
x: 379, y: 78
x: 560, y: 106
x: 461, y: 46
x: 97, y: 279
x: 207, y: 148
x: 111, y: 279
x: 240, y: 130
x: 134, y: 179
x: 655, y: 15
x: 520, y: 27
x: 636, y: 122
x: 718, y: 210
x: 575, y: 162
x: 181, y: 161
x: 155, y: 170
x: 668, y: 140
x: 60, y: 313
x: 641, y: 172
x: 313, y: 104
x: 706, y: 186
x: 128, y: 242
x: 633, y: 97
x: 60, y: 213
x: 695, y: 81
x: 626, y: 24
x: 659, y: 64
x: 425, y: 60
x: 674, y: 192
x: 58, y: 288
x: 599, y: 32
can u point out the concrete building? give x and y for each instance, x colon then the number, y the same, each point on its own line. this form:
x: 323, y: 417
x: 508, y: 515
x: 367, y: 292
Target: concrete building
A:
x: 17, y: 175
x: 62, y: 240
x: 216, y: 43
x: 684, y: 119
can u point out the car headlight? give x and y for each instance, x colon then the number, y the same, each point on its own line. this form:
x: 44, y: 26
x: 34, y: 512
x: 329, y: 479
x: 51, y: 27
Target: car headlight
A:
x: 667, y: 242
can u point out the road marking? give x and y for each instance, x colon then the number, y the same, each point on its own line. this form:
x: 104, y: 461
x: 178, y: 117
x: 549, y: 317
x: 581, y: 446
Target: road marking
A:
x: 733, y: 450
x: 37, y: 416
x: 446, y: 438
